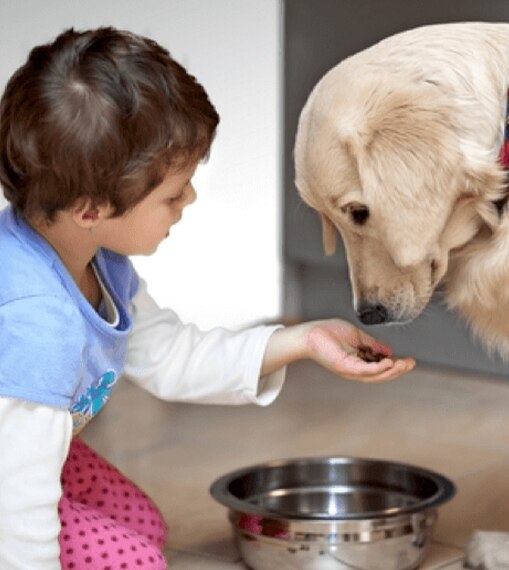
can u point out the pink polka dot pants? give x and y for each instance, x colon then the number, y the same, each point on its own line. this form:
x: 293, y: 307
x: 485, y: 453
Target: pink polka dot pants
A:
x: 107, y: 522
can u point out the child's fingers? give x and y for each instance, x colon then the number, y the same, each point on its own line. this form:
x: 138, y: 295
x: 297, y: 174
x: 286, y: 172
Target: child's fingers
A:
x: 386, y: 369
x: 400, y: 367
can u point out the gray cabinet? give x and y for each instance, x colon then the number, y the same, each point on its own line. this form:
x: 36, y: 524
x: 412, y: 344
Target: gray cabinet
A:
x: 317, y: 35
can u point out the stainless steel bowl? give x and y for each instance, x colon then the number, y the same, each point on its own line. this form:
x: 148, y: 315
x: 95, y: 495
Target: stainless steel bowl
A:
x: 332, y: 513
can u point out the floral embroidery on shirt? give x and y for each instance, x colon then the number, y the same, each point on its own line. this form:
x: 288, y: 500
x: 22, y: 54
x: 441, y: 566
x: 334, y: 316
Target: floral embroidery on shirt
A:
x: 92, y: 400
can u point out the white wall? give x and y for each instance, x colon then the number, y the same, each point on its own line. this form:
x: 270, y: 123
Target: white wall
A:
x: 222, y: 263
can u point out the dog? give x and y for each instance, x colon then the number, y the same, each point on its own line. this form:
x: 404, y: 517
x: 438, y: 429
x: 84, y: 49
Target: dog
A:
x: 403, y: 149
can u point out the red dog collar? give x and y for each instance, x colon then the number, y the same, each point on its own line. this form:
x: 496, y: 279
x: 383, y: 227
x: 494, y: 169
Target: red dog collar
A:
x: 503, y: 157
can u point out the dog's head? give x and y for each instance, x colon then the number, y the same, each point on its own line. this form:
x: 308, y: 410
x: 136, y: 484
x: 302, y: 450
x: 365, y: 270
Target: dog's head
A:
x: 383, y: 163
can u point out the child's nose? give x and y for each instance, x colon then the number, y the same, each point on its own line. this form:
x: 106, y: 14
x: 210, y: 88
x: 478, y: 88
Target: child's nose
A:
x: 190, y: 195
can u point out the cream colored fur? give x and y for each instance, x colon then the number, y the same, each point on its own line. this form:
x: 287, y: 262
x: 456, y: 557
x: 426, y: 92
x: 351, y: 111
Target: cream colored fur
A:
x: 412, y: 128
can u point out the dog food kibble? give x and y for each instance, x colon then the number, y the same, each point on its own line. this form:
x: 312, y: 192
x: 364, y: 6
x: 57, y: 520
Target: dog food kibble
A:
x: 367, y: 354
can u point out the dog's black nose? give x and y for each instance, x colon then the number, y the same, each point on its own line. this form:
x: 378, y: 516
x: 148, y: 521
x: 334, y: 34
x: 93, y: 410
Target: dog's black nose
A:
x: 372, y: 314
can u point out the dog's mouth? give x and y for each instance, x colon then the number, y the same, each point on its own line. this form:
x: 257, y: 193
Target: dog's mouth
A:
x: 400, y: 305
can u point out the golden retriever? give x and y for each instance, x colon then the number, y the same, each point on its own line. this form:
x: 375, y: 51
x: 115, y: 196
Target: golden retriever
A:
x: 398, y: 148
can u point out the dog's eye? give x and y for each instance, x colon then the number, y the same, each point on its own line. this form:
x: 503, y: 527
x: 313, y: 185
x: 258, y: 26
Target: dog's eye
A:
x: 358, y: 212
x: 360, y: 215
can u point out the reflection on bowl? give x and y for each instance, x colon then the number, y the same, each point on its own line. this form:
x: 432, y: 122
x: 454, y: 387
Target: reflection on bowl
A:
x: 332, y: 513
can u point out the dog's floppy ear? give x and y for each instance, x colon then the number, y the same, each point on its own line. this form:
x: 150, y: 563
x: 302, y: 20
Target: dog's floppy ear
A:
x: 407, y: 159
x: 329, y: 234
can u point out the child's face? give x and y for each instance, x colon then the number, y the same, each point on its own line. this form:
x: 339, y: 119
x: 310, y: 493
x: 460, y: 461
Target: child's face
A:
x: 140, y: 230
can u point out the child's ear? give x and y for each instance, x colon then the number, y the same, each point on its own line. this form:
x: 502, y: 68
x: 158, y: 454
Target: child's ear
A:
x: 85, y: 214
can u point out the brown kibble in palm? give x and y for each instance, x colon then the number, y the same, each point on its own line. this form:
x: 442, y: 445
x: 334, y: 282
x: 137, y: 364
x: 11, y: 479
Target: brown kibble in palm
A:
x: 367, y: 354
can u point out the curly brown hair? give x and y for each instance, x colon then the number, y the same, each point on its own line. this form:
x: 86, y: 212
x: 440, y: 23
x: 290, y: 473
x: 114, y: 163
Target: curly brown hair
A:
x: 99, y: 114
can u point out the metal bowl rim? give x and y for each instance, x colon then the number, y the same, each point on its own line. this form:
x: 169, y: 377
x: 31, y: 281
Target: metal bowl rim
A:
x: 219, y: 489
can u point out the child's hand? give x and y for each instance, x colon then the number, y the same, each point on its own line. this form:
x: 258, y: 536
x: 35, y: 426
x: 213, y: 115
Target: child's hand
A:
x: 338, y: 346
x: 344, y: 349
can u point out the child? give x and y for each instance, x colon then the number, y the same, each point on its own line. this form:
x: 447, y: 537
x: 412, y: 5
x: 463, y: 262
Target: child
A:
x: 100, y: 134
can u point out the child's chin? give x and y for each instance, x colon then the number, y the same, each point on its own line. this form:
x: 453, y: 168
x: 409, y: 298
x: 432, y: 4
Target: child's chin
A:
x: 144, y: 251
x: 151, y: 250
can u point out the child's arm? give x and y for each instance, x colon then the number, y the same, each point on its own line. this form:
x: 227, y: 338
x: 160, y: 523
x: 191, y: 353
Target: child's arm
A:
x: 178, y: 362
x: 34, y: 442
x: 333, y: 344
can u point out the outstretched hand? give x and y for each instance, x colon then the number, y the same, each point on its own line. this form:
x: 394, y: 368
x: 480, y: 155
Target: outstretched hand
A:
x: 339, y: 347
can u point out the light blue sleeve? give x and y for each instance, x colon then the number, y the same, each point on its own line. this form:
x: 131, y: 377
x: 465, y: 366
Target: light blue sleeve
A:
x: 42, y: 339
